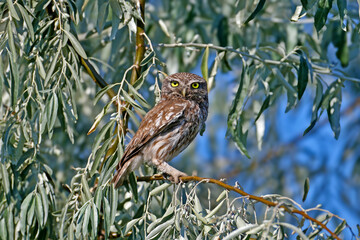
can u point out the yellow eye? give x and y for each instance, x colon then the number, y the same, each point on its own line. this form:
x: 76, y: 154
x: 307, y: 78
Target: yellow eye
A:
x: 174, y: 83
x: 195, y: 85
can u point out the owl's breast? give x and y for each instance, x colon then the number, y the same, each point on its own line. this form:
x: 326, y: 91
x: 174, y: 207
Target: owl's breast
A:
x: 169, y: 144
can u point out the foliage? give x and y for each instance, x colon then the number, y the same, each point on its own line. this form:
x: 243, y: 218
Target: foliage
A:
x: 47, y: 106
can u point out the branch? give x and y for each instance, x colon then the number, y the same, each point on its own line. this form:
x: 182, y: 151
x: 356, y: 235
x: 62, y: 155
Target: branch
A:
x: 316, y: 68
x: 243, y: 193
x: 140, y: 43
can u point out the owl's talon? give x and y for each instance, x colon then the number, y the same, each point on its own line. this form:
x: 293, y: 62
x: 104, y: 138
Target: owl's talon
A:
x: 174, y: 177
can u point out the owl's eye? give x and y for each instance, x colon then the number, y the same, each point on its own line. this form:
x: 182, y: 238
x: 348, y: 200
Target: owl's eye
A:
x: 195, y: 85
x: 174, y: 83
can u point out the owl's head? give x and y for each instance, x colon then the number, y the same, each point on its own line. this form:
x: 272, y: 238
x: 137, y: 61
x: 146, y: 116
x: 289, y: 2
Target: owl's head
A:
x: 188, y: 86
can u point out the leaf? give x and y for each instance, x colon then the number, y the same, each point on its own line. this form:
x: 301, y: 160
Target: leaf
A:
x: 164, y: 27
x: 340, y: 227
x: 53, y: 114
x: 295, y: 17
x: 52, y: 66
x: 3, y: 229
x: 10, y: 221
x: 160, y: 228
x: 290, y: 91
x: 44, y: 201
x: 12, y: 10
x: 303, y: 76
x: 222, y: 195
x: 113, y: 203
x: 307, y: 4
x: 23, y: 212
x: 103, y: 7
x: 214, y: 69
x: 339, y: 39
x: 255, y: 12
x: 204, y: 64
x: 138, y: 97
x: 215, y: 210
x: 133, y: 185
x: 76, y: 44
x: 5, y: 181
x: 14, y: 81
x: 31, y: 212
x: 321, y: 14
x: 235, y: 130
x: 342, y: 5
x: 264, y: 106
x: 40, y: 67
x: 239, y: 231
x: 97, y: 121
x: 101, y: 135
x: 130, y: 224
x: 107, y: 214
x: 85, y: 188
x: 306, y: 188
x: 333, y: 111
x: 39, y: 210
x: 94, y: 220
x: 160, y: 189
x: 27, y: 21
x: 86, y: 220
x: 223, y: 31
x: 316, y: 106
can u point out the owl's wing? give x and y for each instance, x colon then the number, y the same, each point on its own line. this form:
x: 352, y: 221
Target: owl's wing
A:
x: 164, y: 116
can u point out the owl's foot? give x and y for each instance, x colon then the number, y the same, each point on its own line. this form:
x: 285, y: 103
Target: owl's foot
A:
x: 175, y: 176
x: 169, y: 172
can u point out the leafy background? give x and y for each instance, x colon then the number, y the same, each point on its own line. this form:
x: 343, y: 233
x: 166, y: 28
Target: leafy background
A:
x: 261, y: 59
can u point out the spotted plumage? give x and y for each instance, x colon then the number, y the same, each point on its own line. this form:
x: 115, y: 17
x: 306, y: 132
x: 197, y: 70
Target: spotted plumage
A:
x: 168, y: 128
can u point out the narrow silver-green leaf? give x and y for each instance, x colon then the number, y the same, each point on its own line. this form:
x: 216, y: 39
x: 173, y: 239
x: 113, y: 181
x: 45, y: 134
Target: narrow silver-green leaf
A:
x: 12, y: 10
x: 39, y: 210
x: 5, y: 179
x: 94, y: 220
x: 239, y: 231
x: 85, y: 187
x: 86, y: 220
x: 107, y: 214
x: 23, y: 212
x: 113, y: 202
x: 333, y: 111
x: 159, y: 189
x: 160, y: 228
x: 133, y: 185
x: 45, y: 202
x: 53, y: 65
x: 76, y: 44
x: 204, y: 64
x: 215, y: 210
x: 27, y: 21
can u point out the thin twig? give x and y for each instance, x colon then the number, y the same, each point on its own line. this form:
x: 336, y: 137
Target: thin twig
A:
x: 243, y: 193
x: 316, y: 68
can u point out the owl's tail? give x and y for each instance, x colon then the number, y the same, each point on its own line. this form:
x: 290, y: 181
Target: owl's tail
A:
x: 123, y: 171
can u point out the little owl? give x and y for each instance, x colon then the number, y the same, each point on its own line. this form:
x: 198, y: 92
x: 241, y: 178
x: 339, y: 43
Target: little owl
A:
x: 168, y: 128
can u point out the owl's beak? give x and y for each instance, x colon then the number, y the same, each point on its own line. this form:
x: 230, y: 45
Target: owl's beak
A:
x: 183, y: 92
